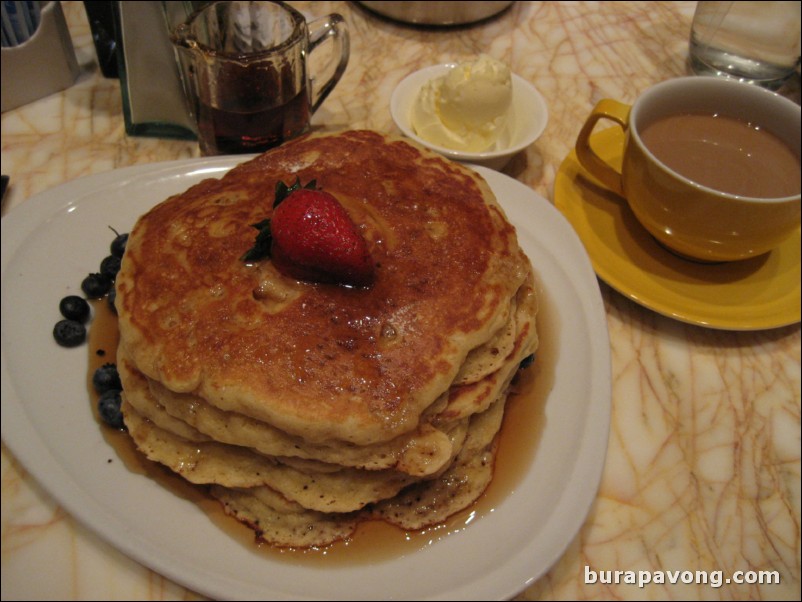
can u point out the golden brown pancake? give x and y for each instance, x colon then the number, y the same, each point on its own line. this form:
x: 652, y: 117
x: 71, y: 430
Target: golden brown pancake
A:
x: 305, y: 406
x: 285, y: 523
x: 419, y: 453
x: 335, y: 363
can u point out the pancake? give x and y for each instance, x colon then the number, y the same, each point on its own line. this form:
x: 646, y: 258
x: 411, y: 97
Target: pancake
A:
x: 419, y: 453
x: 307, y: 407
x: 334, y: 363
x: 423, y: 452
x: 206, y: 463
x: 280, y: 522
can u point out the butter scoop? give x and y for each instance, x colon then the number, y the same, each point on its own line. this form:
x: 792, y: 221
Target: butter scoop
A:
x: 466, y: 109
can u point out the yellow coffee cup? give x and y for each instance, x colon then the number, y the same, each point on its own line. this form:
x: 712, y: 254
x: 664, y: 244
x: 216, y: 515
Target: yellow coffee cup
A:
x: 710, y: 165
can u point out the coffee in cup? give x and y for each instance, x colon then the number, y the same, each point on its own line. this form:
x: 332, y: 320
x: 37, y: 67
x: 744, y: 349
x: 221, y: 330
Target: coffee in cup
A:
x: 711, y: 167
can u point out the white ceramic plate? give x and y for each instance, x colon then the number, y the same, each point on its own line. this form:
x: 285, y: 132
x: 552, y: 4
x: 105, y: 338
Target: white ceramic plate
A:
x: 53, y: 240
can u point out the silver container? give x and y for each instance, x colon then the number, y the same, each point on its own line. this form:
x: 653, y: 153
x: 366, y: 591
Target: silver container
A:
x: 437, y: 13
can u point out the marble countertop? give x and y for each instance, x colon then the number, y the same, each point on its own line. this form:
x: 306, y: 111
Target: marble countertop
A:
x: 703, y: 462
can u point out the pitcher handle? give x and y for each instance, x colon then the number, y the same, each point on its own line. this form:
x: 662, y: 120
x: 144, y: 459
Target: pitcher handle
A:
x: 332, y: 27
x: 595, y: 165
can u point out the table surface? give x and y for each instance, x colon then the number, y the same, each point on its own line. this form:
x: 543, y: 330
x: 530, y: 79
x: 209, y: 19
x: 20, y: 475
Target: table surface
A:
x: 703, y: 462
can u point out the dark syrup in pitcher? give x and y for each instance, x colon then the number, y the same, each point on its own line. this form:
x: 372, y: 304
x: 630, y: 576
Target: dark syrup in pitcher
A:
x: 225, y: 132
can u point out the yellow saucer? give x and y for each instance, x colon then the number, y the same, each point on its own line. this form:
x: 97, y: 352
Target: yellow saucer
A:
x: 753, y: 294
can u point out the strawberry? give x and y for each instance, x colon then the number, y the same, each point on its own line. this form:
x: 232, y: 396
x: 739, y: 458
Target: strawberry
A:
x: 313, y: 238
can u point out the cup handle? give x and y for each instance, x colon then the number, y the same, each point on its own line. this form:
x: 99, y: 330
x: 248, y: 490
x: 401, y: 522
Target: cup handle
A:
x: 595, y: 165
x: 332, y: 27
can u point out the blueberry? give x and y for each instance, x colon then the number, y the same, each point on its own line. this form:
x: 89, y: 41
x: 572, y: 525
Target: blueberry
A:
x: 108, y: 406
x: 96, y: 285
x: 75, y: 308
x: 106, y: 378
x: 110, y: 266
x: 118, y: 245
x: 69, y: 333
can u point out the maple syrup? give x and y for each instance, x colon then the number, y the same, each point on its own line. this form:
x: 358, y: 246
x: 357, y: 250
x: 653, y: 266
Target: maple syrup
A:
x: 374, y: 540
x: 225, y: 132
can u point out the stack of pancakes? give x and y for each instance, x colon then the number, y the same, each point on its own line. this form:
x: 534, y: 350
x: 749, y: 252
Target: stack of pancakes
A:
x: 308, y: 407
